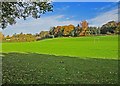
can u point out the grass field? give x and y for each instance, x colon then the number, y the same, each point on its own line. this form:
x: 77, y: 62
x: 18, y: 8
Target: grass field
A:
x: 91, y: 47
x: 83, y: 60
x: 35, y: 68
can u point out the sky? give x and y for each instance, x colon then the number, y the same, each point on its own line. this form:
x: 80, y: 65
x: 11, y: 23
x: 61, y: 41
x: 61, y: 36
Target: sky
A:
x: 65, y: 13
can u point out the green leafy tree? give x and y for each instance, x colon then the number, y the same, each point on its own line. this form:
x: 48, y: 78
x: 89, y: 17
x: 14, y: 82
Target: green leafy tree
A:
x: 72, y: 33
x: 117, y: 30
x: 51, y: 30
x: 109, y: 27
x: 60, y: 32
x: 11, y: 10
x: 98, y: 31
x: 77, y: 30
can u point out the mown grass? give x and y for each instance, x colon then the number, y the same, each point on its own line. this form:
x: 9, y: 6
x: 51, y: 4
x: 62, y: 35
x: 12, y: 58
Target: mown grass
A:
x: 82, y: 60
x: 32, y: 68
x: 91, y: 47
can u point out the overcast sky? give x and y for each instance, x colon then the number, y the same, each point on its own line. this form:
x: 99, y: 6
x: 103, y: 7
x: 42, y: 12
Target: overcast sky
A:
x: 65, y: 13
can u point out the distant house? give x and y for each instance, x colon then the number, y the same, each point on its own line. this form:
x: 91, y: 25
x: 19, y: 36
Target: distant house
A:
x: 38, y: 38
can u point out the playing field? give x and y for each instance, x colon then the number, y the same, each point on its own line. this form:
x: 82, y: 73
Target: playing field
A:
x: 82, y: 60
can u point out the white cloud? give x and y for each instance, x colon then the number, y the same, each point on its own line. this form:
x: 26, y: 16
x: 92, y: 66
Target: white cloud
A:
x: 112, y: 5
x: 67, y: 18
x: 36, y: 25
x: 64, y: 8
x: 59, y: 16
x: 105, y: 17
x: 44, y: 23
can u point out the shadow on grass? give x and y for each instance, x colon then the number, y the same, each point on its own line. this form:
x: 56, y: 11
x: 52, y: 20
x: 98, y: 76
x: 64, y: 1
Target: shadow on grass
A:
x: 32, y: 68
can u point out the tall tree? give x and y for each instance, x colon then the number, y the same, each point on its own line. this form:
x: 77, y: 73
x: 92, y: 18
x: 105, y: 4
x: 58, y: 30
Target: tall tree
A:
x: 51, y: 30
x: 9, y: 11
x: 84, y: 25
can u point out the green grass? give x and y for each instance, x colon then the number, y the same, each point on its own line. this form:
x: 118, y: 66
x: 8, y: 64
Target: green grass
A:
x: 91, y: 47
x: 82, y: 60
x: 32, y: 68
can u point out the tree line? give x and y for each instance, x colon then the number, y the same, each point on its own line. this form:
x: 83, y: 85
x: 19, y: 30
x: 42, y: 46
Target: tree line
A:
x: 82, y: 29
x: 111, y: 27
